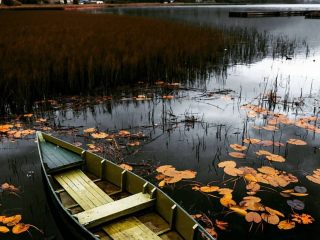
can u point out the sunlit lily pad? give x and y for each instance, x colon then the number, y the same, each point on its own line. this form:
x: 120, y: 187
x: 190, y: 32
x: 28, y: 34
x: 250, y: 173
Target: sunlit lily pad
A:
x: 303, y: 218
x: 4, y: 229
x: 209, y: 189
x: 238, y: 147
x: 286, y: 225
x: 296, y: 142
x: 237, y: 154
x: 270, y: 218
x: 253, y: 217
x: 20, y: 228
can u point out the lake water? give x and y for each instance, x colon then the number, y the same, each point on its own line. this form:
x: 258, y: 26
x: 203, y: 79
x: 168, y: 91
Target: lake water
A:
x: 200, y: 145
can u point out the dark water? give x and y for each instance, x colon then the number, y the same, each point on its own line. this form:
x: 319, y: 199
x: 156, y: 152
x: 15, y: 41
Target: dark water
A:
x: 198, y: 145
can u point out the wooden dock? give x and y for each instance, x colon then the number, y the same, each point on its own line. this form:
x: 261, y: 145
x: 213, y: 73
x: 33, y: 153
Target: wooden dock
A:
x: 255, y: 14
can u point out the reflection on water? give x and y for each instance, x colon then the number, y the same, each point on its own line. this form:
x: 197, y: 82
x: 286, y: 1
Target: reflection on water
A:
x: 200, y: 145
x: 293, y: 27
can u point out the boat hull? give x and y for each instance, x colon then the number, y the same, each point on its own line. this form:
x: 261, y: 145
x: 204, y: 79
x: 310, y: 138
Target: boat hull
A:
x: 69, y: 228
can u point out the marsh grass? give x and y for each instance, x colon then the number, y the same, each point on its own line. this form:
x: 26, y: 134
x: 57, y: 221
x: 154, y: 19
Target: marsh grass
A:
x: 45, y: 54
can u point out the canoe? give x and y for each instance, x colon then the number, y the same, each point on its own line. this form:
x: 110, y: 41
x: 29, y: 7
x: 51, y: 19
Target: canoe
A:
x: 93, y: 198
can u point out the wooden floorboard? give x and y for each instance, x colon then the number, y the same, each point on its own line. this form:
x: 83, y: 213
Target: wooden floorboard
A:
x: 130, y: 228
x: 87, y: 194
x: 100, y: 194
x: 73, y: 193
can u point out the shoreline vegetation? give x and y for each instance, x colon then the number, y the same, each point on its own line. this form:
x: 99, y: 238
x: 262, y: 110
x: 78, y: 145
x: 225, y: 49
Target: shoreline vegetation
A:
x: 58, y: 53
x: 117, y: 5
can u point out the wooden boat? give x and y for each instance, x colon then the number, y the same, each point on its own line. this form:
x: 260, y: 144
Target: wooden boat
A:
x: 94, y: 198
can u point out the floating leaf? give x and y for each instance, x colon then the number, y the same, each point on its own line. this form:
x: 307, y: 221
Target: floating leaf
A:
x: 164, y: 168
x: 238, y: 147
x: 173, y: 179
x: 13, y: 220
x: 314, y: 178
x: 126, y: 166
x: 237, y: 155
x: 268, y: 170
x: 168, y: 97
x: 28, y: 115
x: 275, y: 158
x: 251, y: 114
x: 159, y: 82
x: 41, y: 120
x: 89, y: 130
x: 296, y: 204
x: 274, y: 212
x: 224, y: 191
x: 266, y: 143
x: 20, y: 228
x: 162, y: 183
x: 222, y: 225
x: 212, y: 232
x: 249, y: 177
x: 286, y: 225
x: 253, y: 217
x: 4, y: 229
x: 288, y: 191
x: 296, y: 142
x: 270, y: 128
x: 299, y: 194
x: 251, y: 140
x: 232, y: 171
x: 253, y: 187
x: 173, y: 175
x: 238, y: 210
x: 100, y: 135
x: 270, y: 218
x: 278, y: 144
x: 227, y: 202
x: 273, y: 121
x: 188, y: 174
x: 227, y: 164
x: 263, y: 152
x: 300, y: 189
x: 124, y: 133
x: 133, y: 144
x: 252, y: 199
x: 303, y: 218
x: 160, y: 176
x: 209, y: 189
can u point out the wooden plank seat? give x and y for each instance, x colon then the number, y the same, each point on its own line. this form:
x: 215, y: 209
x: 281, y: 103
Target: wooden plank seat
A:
x: 82, y: 189
x: 130, y: 228
x: 114, y: 210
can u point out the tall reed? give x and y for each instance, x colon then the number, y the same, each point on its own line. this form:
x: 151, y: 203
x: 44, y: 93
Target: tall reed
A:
x: 45, y: 54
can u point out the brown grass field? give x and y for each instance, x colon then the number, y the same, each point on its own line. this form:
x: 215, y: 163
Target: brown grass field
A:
x: 50, y: 53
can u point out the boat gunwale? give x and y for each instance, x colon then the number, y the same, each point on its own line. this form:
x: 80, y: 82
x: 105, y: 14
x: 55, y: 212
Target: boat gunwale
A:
x: 200, y: 228
x: 55, y: 195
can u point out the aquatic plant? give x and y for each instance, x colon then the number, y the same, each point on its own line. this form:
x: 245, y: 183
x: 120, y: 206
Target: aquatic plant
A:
x: 45, y: 54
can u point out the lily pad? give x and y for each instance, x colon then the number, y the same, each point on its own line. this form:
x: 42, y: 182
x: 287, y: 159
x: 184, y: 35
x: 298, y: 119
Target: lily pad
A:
x: 296, y: 204
x: 300, y: 189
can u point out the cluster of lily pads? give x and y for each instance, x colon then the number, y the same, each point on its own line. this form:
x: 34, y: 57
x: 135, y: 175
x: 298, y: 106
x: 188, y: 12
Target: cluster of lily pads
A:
x: 12, y: 223
x: 251, y: 207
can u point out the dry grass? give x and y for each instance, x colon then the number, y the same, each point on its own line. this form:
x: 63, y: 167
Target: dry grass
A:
x: 45, y: 54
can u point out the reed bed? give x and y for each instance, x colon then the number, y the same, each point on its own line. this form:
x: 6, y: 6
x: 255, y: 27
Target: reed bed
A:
x: 45, y: 54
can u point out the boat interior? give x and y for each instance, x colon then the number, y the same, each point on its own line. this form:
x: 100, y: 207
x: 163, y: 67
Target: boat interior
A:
x: 112, y: 203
